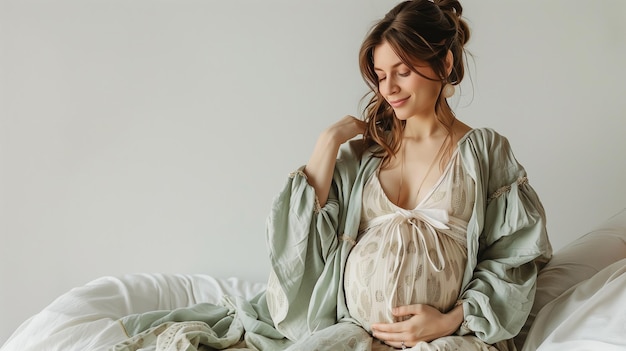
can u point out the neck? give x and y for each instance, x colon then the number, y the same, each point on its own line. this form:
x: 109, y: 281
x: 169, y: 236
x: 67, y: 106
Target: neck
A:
x: 422, y: 127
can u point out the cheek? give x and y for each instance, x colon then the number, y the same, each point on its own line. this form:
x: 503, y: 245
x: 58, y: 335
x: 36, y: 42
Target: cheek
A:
x: 380, y: 89
x: 416, y: 87
x: 425, y: 86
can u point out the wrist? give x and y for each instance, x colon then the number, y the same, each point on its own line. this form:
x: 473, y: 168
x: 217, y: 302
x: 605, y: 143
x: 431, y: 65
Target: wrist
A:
x: 454, y: 318
x: 331, y: 137
x: 327, y: 145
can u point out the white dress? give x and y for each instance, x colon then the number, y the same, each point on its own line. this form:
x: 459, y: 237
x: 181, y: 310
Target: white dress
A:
x: 405, y: 257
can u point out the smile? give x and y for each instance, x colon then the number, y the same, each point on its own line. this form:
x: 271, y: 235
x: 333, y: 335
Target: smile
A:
x: 398, y: 103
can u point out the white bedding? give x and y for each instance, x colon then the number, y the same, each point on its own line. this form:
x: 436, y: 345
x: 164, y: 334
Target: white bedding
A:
x: 580, y: 303
x: 85, y: 318
x: 589, y: 316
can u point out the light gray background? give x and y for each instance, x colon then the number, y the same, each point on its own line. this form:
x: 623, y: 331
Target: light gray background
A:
x: 151, y: 136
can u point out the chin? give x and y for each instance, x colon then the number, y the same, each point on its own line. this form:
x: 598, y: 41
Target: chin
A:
x: 401, y: 119
x: 401, y: 116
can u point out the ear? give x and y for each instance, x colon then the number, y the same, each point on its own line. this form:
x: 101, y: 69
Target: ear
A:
x: 449, y: 63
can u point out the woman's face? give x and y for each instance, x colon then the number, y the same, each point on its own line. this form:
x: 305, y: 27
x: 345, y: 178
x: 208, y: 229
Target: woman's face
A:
x: 408, y: 93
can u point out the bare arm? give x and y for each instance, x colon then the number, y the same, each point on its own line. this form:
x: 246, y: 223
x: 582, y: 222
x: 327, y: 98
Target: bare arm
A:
x: 319, y: 170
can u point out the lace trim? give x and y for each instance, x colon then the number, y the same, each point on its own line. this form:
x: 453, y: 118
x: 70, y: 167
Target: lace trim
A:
x: 318, y: 207
x: 348, y: 239
x: 300, y: 172
x: 520, y: 181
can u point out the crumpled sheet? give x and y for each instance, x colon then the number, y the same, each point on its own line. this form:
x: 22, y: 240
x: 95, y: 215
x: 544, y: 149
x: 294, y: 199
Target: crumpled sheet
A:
x: 589, y: 316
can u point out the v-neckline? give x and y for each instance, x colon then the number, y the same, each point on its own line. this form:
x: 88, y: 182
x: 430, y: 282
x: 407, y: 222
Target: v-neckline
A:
x: 432, y: 189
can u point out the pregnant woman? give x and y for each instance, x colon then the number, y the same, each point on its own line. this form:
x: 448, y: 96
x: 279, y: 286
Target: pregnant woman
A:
x: 425, y: 231
x: 407, y: 229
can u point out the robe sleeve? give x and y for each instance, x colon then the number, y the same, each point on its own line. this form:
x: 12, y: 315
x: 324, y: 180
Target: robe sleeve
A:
x: 302, y: 238
x: 512, y: 245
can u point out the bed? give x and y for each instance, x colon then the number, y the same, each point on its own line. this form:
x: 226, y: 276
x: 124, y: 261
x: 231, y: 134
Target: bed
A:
x: 580, y: 302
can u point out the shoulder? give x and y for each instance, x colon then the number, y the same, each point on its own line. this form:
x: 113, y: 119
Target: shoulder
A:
x: 484, y: 139
x: 356, y: 156
x: 489, y: 153
x: 356, y: 150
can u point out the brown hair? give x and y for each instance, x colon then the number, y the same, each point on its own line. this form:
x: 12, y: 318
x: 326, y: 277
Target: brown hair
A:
x: 418, y: 31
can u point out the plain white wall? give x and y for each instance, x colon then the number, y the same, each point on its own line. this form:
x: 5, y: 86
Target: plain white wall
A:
x: 151, y: 136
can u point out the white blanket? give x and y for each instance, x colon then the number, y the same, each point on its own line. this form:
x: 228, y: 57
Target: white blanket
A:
x: 589, y: 316
x: 85, y: 318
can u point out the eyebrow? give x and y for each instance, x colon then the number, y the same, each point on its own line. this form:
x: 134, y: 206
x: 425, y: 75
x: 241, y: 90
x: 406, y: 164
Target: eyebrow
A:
x: 393, y: 66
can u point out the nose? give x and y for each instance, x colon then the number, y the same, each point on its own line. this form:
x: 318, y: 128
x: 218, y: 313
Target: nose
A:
x: 388, y: 86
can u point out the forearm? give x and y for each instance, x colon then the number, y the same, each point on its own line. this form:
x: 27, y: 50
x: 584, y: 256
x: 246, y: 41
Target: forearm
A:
x: 320, y: 168
x: 454, y: 319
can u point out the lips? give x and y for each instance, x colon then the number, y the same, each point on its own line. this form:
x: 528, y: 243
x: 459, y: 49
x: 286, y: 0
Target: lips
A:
x: 397, y: 103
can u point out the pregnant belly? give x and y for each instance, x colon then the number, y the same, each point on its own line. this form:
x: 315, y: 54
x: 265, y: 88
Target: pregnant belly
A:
x: 383, y: 272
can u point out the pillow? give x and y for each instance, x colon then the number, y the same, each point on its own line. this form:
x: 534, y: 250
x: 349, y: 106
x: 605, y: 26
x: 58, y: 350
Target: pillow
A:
x: 576, y: 262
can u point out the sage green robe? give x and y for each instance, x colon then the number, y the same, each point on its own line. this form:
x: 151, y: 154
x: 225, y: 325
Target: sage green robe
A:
x: 309, y: 245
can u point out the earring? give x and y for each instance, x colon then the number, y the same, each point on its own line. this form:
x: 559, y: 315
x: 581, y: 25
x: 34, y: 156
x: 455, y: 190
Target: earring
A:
x: 448, y: 90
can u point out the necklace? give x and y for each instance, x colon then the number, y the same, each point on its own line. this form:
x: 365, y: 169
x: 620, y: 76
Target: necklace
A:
x: 430, y: 167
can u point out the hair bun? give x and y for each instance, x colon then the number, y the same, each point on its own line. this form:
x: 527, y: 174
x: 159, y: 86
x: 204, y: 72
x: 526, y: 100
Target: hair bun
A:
x: 454, y: 11
x: 450, y: 6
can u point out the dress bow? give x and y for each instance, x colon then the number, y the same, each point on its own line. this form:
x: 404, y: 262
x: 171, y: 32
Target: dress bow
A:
x: 430, y: 218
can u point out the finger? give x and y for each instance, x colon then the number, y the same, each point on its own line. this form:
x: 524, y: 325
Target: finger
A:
x: 354, y: 125
x: 388, y: 337
x: 397, y: 345
x: 404, y: 310
x: 408, y: 310
x: 384, y: 327
x: 354, y: 118
x: 361, y: 125
x: 397, y: 327
x: 349, y: 118
x: 392, y: 336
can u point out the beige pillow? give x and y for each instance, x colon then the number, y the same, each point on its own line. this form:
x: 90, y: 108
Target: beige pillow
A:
x: 577, y: 262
